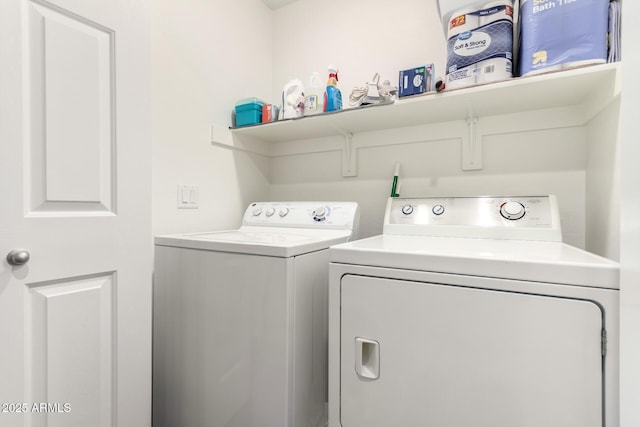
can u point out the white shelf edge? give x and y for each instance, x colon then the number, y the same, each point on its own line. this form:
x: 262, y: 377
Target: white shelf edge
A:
x: 580, y: 94
x: 595, y: 87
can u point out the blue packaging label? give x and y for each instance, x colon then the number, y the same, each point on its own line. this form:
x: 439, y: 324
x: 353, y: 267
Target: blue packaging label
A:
x: 333, y: 100
x: 494, y: 40
x: 556, y: 32
x: 415, y: 81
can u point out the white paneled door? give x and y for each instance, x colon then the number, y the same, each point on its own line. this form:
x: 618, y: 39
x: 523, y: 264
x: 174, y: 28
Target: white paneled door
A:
x: 75, y: 234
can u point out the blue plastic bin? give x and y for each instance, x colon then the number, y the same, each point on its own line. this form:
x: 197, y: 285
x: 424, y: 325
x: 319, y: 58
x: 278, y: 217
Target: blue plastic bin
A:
x: 249, y: 111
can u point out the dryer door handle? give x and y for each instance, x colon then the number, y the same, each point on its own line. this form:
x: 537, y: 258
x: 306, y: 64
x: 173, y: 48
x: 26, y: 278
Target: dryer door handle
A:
x: 367, y: 358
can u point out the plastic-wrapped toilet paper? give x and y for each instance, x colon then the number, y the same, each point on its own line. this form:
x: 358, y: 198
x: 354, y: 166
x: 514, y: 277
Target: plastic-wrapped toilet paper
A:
x: 560, y: 34
x: 500, y: 67
x: 480, y: 44
x: 461, y: 69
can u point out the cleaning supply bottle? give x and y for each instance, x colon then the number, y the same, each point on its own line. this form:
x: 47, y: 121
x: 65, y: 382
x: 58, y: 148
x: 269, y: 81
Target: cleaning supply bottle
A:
x: 293, y: 99
x: 332, y: 95
x: 314, y: 96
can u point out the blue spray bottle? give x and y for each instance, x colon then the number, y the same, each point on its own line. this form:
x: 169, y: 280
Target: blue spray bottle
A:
x: 332, y: 95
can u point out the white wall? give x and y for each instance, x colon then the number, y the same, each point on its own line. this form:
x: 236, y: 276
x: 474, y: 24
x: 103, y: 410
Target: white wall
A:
x: 543, y: 162
x: 539, y: 162
x: 603, y: 184
x: 360, y: 37
x: 206, y: 55
x: 630, y: 222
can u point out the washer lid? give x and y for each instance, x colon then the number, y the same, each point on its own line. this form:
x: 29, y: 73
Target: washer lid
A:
x: 539, y: 261
x: 269, y: 241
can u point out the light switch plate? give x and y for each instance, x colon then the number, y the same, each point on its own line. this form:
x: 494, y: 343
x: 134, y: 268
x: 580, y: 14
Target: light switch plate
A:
x: 188, y: 197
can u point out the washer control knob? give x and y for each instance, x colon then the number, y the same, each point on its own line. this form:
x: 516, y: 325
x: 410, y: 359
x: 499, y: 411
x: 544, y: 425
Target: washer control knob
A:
x: 270, y: 212
x: 320, y: 214
x: 512, y: 210
x: 438, y: 210
x: 256, y: 211
x: 283, y: 212
x: 407, y: 209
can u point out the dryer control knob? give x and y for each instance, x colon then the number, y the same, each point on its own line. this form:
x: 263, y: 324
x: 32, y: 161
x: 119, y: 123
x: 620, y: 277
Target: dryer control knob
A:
x: 283, y: 212
x: 270, y: 212
x: 320, y: 214
x: 257, y: 211
x: 407, y: 209
x: 512, y: 210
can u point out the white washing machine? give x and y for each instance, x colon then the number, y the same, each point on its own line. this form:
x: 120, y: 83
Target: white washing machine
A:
x: 471, y: 312
x: 240, y: 319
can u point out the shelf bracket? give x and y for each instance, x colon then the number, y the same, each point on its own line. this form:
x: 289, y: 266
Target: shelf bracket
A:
x: 349, y: 160
x: 472, y: 146
x: 221, y: 136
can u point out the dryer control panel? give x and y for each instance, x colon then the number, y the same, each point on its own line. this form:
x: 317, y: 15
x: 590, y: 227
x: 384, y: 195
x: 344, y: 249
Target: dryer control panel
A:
x: 499, y: 217
x: 331, y: 215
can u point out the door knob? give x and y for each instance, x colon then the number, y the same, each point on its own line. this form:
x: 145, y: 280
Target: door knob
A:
x: 18, y: 257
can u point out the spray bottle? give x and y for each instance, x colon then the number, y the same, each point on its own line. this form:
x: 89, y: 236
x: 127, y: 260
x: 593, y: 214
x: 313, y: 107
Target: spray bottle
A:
x: 332, y: 95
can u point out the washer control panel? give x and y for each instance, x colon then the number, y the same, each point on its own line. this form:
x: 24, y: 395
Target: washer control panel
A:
x: 336, y: 215
x: 506, y: 217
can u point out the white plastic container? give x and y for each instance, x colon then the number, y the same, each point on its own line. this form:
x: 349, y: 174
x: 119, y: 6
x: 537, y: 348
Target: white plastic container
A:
x: 293, y: 99
x: 314, y: 95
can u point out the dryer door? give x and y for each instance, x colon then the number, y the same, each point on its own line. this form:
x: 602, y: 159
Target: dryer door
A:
x: 423, y: 354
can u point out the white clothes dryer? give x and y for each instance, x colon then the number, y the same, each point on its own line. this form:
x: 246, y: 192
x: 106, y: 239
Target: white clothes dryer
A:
x: 240, y: 318
x: 471, y: 312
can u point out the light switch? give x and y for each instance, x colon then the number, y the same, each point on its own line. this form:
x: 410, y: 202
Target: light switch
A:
x: 188, y: 197
x: 193, y: 197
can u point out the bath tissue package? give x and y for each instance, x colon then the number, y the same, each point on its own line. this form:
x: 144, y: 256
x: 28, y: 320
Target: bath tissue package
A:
x: 480, y: 44
x: 559, y: 34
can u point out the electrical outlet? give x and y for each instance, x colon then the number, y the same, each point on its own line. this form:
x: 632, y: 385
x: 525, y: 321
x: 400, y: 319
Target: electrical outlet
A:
x: 188, y: 197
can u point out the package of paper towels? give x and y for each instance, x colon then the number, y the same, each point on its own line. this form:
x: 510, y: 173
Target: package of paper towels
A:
x: 559, y: 34
x: 480, y: 44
